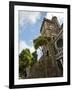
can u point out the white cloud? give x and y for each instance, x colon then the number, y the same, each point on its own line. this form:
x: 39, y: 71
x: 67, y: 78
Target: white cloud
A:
x: 24, y: 45
x: 58, y: 15
x: 28, y: 17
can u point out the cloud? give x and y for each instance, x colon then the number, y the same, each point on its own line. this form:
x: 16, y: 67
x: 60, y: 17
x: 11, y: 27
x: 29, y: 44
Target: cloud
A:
x: 28, y: 17
x: 58, y: 15
x: 24, y: 45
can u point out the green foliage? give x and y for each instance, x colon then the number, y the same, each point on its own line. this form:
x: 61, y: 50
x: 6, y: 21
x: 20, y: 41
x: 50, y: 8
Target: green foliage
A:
x: 26, y: 59
x: 40, y: 41
x: 34, y: 54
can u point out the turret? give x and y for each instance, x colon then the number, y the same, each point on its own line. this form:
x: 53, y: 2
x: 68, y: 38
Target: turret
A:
x: 55, y: 20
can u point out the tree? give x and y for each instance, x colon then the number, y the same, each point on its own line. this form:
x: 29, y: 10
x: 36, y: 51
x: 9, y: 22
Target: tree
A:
x: 25, y: 59
x: 40, y: 41
x: 34, y: 54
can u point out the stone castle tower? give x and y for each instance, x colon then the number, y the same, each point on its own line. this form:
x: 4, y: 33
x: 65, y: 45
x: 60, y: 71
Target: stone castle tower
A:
x: 50, y: 64
x: 53, y: 30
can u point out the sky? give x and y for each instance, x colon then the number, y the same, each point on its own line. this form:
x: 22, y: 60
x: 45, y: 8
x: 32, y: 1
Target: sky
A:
x: 29, y: 28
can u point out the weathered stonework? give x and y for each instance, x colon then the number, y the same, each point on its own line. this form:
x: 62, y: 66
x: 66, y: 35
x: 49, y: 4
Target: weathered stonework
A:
x: 51, y: 63
x: 52, y: 29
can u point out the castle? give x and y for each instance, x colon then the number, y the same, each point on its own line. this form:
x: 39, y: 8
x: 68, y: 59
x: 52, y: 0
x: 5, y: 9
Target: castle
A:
x: 51, y: 62
x: 53, y: 30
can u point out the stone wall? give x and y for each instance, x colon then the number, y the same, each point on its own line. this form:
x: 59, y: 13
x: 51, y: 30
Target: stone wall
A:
x: 44, y: 68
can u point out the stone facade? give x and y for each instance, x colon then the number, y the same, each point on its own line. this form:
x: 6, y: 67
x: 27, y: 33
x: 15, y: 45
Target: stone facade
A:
x: 53, y: 30
x: 51, y: 62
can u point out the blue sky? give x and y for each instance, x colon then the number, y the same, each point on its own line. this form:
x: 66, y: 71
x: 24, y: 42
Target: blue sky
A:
x: 29, y: 27
x: 30, y: 31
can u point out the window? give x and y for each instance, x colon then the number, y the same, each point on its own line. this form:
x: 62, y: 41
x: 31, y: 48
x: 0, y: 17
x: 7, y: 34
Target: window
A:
x: 60, y: 43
